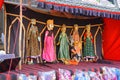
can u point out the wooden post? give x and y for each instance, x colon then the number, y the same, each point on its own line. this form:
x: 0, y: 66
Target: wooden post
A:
x: 20, y: 35
x: 95, y: 46
x: 5, y: 27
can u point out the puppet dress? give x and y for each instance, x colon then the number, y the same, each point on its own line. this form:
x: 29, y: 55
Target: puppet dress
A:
x: 49, y: 51
x: 63, y: 53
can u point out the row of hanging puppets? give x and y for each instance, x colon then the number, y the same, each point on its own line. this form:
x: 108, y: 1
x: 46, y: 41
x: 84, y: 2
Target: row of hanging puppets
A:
x: 70, y: 48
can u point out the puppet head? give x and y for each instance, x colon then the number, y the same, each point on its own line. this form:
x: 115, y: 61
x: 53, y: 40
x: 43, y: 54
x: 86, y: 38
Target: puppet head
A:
x: 50, y: 24
x: 88, y: 28
x: 33, y: 21
x: 75, y: 27
x: 63, y: 28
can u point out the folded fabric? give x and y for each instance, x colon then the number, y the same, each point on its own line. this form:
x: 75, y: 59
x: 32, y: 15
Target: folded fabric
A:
x: 22, y: 77
x: 81, y: 75
x: 32, y: 77
x: 49, y: 75
x: 65, y: 74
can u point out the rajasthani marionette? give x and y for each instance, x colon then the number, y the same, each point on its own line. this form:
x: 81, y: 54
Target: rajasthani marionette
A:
x: 33, y: 47
x: 63, y: 53
x: 77, y: 42
x: 76, y: 47
x: 49, y: 54
x: 89, y: 54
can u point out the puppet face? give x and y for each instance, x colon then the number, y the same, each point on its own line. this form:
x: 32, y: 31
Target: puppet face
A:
x: 64, y: 28
x: 76, y: 27
x: 51, y: 26
x: 33, y: 21
x: 88, y: 28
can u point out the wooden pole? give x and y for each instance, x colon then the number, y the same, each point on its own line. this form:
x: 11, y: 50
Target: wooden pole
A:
x: 9, y: 33
x: 57, y: 33
x: 20, y: 35
x: 5, y: 27
x: 95, y: 46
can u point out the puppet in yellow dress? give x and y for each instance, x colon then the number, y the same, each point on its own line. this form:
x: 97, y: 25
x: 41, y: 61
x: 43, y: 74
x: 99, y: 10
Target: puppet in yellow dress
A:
x: 76, y: 46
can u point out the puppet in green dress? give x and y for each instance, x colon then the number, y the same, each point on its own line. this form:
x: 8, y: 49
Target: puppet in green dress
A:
x: 63, y: 53
x: 88, y: 45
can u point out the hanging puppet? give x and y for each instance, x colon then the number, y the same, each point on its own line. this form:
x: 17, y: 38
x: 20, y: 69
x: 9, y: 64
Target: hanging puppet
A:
x: 49, y: 50
x: 89, y: 54
x: 77, y: 42
x: 76, y: 55
x: 33, y: 47
x: 63, y: 53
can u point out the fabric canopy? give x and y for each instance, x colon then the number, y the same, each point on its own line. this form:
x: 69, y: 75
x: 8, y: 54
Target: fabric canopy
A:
x: 78, y: 10
x: 1, y: 3
x: 111, y: 39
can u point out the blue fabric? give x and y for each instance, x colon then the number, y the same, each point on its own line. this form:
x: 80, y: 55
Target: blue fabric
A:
x: 48, y: 75
x: 22, y: 76
x: 117, y: 71
x: 75, y: 10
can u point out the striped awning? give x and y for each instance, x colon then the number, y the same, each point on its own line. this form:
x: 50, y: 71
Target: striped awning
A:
x: 81, y: 8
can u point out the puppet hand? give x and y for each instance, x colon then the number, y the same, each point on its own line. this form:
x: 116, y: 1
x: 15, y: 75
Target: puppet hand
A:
x: 58, y: 43
x: 39, y: 39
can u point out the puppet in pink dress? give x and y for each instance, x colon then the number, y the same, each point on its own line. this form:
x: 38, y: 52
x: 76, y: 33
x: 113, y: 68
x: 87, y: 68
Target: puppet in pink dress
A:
x: 49, y: 50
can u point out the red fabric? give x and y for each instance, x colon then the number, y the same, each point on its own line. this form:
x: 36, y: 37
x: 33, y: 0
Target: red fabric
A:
x: 1, y: 3
x: 111, y: 39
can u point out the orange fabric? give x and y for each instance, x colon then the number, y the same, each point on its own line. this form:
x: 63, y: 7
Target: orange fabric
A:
x: 73, y: 62
x: 111, y: 39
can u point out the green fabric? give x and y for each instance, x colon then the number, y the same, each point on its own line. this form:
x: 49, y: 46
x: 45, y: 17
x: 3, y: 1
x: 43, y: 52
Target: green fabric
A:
x: 63, y: 52
x: 88, y: 48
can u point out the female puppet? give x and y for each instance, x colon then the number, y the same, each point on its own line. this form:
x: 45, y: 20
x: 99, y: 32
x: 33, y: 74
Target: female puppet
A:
x: 33, y: 50
x: 75, y: 35
x: 76, y: 47
x: 88, y: 45
x: 49, y: 50
x: 63, y: 53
